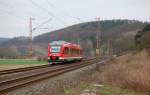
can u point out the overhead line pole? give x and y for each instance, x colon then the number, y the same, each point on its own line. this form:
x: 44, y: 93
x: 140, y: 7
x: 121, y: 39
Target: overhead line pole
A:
x: 109, y: 47
x: 31, y: 29
x: 30, y: 38
x: 98, y: 38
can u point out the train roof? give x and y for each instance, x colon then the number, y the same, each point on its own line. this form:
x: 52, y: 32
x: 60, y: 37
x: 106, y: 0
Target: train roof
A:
x: 59, y: 43
x: 64, y: 43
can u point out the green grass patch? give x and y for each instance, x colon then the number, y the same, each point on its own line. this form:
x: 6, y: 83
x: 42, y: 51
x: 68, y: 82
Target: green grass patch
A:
x: 107, y: 90
x: 20, y: 61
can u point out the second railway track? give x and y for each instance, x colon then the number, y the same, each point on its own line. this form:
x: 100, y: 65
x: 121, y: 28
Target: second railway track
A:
x: 10, y: 71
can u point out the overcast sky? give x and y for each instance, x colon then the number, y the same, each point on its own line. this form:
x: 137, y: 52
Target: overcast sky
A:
x: 56, y: 14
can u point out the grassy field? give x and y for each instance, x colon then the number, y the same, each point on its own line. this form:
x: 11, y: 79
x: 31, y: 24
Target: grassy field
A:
x: 20, y: 62
x: 6, y: 64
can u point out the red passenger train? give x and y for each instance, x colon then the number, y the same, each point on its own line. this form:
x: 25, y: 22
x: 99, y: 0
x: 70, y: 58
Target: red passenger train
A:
x: 61, y: 51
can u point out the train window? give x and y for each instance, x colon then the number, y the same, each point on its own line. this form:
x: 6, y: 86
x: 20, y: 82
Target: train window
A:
x: 76, y: 52
x: 66, y: 50
x: 79, y: 52
x: 55, y: 49
x: 71, y: 51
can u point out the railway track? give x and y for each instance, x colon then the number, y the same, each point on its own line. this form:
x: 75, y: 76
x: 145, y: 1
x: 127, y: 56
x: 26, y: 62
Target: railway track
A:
x: 3, y: 72
x: 8, y: 84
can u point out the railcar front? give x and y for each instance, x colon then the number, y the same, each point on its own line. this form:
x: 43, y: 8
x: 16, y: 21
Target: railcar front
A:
x: 54, y: 54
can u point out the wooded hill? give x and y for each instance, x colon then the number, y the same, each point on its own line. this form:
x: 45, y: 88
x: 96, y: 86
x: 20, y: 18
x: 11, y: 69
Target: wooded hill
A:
x: 120, y: 33
x: 3, y: 40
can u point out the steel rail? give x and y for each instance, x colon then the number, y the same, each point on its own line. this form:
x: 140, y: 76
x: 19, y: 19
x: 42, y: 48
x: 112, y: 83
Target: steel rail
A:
x: 3, y: 72
x: 11, y: 84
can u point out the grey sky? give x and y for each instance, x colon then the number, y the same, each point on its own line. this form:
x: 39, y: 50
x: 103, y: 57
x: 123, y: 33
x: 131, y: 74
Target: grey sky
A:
x: 14, y: 14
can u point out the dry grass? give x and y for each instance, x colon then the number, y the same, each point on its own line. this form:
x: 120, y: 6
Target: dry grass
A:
x: 82, y: 84
x: 129, y: 71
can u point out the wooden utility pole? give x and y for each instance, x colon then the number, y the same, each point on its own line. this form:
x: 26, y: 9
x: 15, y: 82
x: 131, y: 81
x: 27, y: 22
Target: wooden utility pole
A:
x: 30, y: 38
x: 109, y: 47
x: 98, y: 37
x: 30, y: 49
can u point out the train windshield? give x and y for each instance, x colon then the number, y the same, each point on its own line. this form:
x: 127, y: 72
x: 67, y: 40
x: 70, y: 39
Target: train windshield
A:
x: 55, y: 49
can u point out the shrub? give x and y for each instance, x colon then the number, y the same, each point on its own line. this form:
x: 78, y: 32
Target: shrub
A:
x: 39, y: 59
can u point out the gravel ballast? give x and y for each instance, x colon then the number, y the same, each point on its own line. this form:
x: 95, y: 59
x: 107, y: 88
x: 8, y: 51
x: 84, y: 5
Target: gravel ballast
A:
x: 56, y: 85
